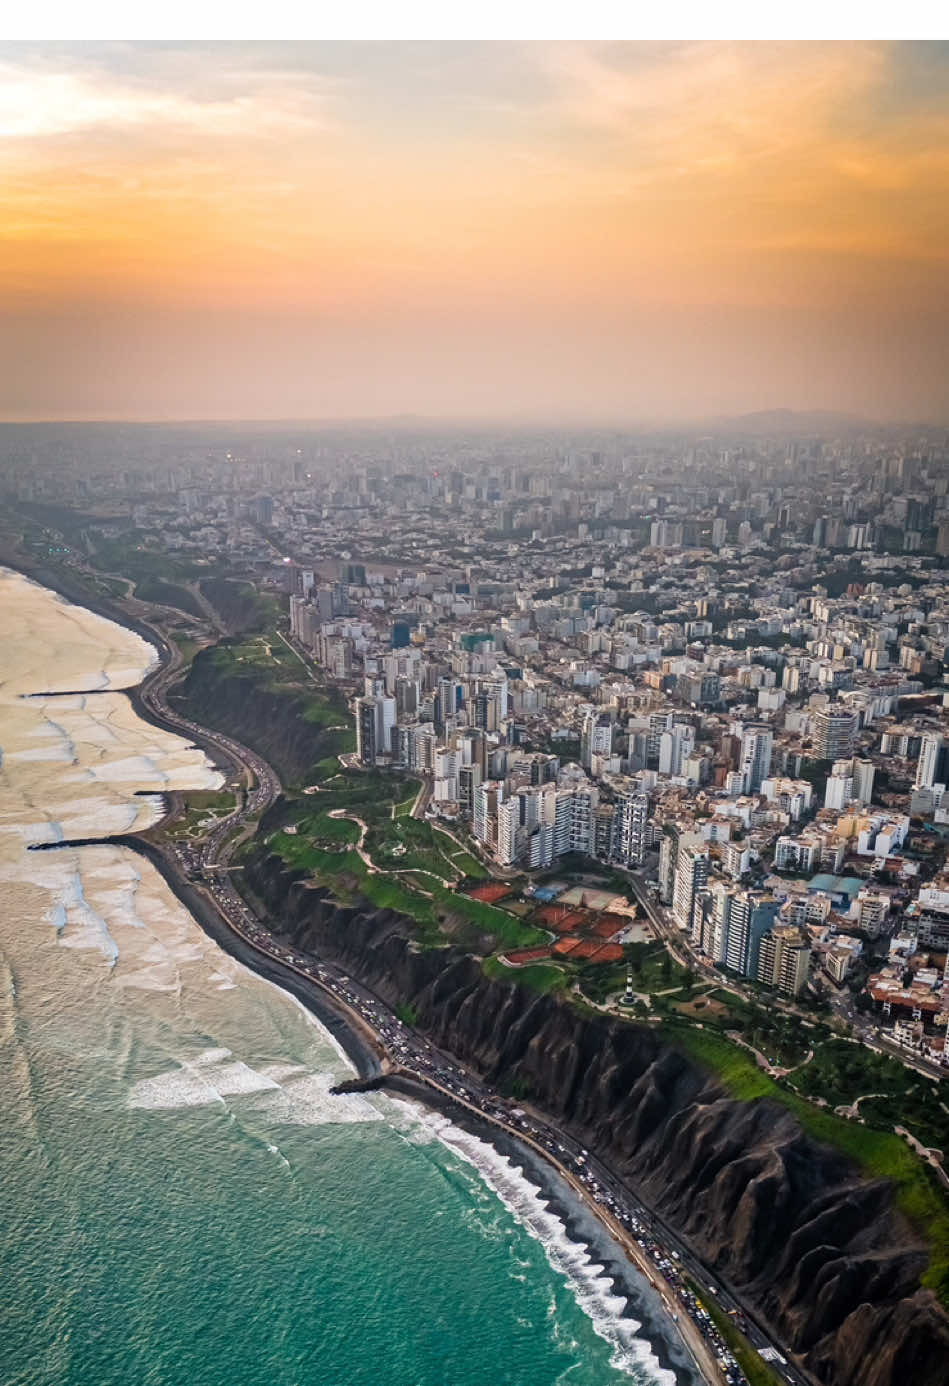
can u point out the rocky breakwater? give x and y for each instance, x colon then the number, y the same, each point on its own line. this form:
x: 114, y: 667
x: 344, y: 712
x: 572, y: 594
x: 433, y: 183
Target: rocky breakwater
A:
x: 822, y: 1253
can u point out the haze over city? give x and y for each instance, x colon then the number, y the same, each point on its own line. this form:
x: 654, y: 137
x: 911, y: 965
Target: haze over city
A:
x: 538, y: 231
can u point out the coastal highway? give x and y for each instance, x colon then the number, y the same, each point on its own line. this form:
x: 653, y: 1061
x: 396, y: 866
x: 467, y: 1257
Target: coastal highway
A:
x: 649, y: 1241
x: 152, y: 697
x: 407, y: 1055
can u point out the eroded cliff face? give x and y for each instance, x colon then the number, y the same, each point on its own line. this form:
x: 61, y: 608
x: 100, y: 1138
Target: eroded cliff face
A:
x: 790, y: 1224
x: 237, y: 603
x: 271, y: 723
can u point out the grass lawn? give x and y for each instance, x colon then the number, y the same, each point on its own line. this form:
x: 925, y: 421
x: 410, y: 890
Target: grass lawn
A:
x: 322, y: 828
x: 654, y: 970
x: 539, y: 976
x: 201, y: 804
x: 187, y: 648
x: 469, y: 866
x: 840, y: 1072
x: 438, y: 910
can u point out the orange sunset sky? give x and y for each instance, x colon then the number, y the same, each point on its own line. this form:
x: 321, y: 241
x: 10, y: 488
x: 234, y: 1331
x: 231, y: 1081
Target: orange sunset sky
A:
x: 540, y: 231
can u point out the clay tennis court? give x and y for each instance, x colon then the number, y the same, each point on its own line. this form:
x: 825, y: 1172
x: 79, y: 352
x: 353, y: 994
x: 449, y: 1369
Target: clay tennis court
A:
x: 520, y: 956
x: 490, y: 892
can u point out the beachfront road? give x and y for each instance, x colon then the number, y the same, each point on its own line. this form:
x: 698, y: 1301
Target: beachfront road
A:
x: 405, y: 1054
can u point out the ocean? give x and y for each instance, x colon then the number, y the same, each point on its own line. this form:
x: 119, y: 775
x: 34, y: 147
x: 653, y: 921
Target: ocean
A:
x: 183, y: 1201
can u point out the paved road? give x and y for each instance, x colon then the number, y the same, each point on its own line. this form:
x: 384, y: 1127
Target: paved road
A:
x: 403, y: 1050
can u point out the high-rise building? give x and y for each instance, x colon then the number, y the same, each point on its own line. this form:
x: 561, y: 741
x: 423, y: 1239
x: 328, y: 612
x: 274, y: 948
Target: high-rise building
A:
x: 870, y: 909
x: 447, y: 701
x: 366, y: 747
x: 629, y: 827
x: 445, y: 789
x: 473, y: 746
x: 575, y: 803
x: 839, y: 788
x: 755, y: 766
x: 509, y: 822
x: 665, y: 534
x: 596, y: 737
x: 375, y: 720
x: 834, y: 732
x: 784, y: 959
x: 469, y: 778
x: 927, y: 767
x: 488, y: 798
x: 691, y: 875
x: 604, y: 824
x: 668, y: 852
x: 863, y: 775
x: 751, y: 914
x: 408, y: 697
x: 675, y: 746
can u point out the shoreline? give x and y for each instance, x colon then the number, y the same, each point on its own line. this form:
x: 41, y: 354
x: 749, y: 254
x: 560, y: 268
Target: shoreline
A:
x: 76, y: 595
x: 580, y: 1215
x: 584, y: 1225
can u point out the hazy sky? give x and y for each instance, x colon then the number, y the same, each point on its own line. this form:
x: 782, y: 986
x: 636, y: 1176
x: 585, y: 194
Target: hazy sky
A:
x: 582, y: 231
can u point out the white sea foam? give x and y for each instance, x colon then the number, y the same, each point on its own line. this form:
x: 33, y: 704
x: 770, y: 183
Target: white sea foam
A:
x: 307, y: 1101
x: 59, y: 753
x: 592, y: 1286
x: 85, y: 926
x: 115, y: 752
x: 198, y: 1082
x: 286, y: 1093
x: 346, y: 1063
x: 220, y: 982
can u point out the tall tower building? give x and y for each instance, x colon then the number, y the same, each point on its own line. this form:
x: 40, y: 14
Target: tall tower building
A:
x: 366, y: 730
x: 596, y: 738
x: 751, y: 915
x: 834, y: 732
x: 756, y: 743
x: 928, y: 764
x: 691, y: 876
x: 446, y: 701
x: 863, y: 774
x: 629, y: 827
x: 784, y: 960
x: 375, y: 719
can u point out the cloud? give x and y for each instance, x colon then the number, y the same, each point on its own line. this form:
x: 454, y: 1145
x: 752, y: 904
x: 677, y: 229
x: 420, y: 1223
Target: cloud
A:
x: 58, y: 97
x: 561, y: 190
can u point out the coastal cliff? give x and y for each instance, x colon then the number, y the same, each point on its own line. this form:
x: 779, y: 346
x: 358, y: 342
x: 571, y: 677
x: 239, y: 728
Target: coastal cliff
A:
x: 271, y: 721
x: 821, y: 1251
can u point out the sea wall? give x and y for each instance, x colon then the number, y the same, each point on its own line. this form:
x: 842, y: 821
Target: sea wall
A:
x: 819, y: 1251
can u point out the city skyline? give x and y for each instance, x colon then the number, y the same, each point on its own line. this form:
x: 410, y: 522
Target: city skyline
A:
x: 563, y: 231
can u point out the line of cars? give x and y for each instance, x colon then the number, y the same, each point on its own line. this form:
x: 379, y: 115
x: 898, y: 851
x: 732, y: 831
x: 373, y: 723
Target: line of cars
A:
x: 415, y: 1055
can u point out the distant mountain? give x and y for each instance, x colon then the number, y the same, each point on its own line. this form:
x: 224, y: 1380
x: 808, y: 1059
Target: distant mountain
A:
x: 793, y: 421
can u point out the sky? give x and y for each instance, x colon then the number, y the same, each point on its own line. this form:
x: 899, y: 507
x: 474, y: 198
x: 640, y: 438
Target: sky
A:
x: 602, y: 232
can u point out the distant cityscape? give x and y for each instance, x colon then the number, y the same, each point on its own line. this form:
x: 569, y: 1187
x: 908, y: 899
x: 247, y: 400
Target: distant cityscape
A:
x: 716, y: 662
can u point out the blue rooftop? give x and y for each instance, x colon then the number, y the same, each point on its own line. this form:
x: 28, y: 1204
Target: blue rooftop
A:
x: 836, y: 885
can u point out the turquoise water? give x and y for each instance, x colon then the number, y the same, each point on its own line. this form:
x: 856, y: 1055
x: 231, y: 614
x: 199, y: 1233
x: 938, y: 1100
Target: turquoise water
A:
x: 183, y: 1201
